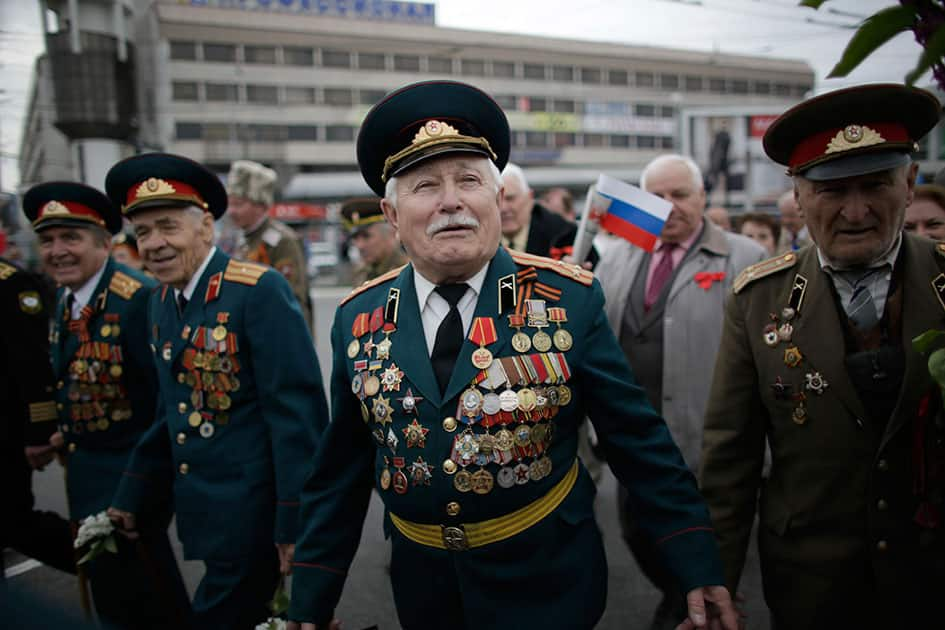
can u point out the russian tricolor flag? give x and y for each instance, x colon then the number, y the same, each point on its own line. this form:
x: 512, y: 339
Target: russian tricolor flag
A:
x: 632, y: 214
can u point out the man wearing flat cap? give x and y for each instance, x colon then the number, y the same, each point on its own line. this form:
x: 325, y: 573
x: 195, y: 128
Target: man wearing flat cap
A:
x: 241, y: 402
x: 817, y: 360
x: 106, y: 391
x: 250, y: 188
x: 373, y: 237
x: 459, y: 383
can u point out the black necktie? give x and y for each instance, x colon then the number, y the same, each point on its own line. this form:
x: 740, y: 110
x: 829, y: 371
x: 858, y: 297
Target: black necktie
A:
x: 449, y: 336
x: 181, y: 304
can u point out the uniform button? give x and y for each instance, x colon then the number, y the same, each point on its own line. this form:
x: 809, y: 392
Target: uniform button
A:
x: 883, y: 464
x: 449, y: 424
x: 59, y: 406
x: 60, y: 385
x: 882, y: 545
x: 449, y: 466
x: 72, y: 447
x: 184, y: 468
x: 181, y: 438
x: 180, y: 377
x: 881, y: 505
x: 182, y: 407
x: 452, y: 508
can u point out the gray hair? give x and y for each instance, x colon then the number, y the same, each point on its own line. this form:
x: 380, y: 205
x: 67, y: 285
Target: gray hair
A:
x: 515, y: 172
x: 669, y: 158
x: 390, y: 188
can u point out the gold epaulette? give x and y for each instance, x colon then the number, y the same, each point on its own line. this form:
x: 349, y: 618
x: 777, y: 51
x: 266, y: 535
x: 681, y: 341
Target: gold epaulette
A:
x: 6, y: 270
x: 367, y: 284
x: 123, y: 285
x: 762, y: 269
x: 940, y: 248
x: 43, y: 411
x: 244, y: 272
x: 574, y: 272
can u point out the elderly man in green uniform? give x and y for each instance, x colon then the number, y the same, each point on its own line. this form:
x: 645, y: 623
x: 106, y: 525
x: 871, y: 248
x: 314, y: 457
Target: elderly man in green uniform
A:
x: 459, y: 383
x: 251, y: 191
x: 817, y: 360
x: 106, y: 393
x: 241, y: 401
x: 373, y: 237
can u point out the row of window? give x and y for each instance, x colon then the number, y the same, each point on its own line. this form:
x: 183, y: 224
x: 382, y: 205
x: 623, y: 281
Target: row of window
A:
x: 329, y: 58
x: 238, y: 132
x: 192, y: 91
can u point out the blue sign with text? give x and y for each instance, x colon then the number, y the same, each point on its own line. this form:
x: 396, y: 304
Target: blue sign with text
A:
x: 388, y: 10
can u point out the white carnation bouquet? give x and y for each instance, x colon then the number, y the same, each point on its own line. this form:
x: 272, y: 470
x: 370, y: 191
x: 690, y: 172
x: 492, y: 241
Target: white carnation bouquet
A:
x: 96, y: 533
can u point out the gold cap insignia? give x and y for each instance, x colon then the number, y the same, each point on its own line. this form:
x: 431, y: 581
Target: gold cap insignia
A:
x: 853, y: 137
x: 54, y: 207
x: 432, y: 133
x: 153, y: 187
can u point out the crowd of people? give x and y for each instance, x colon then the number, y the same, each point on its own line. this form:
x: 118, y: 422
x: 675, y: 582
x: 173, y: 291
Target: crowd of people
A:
x: 762, y: 372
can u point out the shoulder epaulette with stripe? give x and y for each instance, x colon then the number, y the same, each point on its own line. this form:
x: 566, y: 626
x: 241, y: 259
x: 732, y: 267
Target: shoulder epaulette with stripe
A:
x: 367, y: 284
x: 6, y: 270
x: 762, y: 269
x: 123, y: 285
x: 244, y: 272
x: 574, y: 272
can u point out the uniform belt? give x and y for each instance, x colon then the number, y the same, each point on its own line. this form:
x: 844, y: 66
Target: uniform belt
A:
x: 469, y: 535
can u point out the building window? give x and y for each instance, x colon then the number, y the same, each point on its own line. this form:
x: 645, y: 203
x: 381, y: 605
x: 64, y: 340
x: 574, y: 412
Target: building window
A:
x: 184, y: 91
x: 693, y: 83
x: 565, y: 139
x: 440, y: 65
x: 259, y: 54
x: 371, y: 61
x: 407, y: 63
x: 538, y: 104
x: 762, y: 87
x: 590, y: 75
x: 666, y: 111
x: 506, y: 102
x: 666, y: 142
x: 644, y: 111
x: 594, y: 139
x: 618, y: 77
x: 266, y: 94
x: 534, y: 71
x: 562, y: 73
x: 473, y: 67
x: 295, y: 56
x: 219, y: 52
x: 801, y: 90
x: 339, y: 96
x: 188, y: 131
x: 563, y: 106
x: 263, y: 133
x: 183, y: 51
x: 370, y: 97
x: 645, y: 79
x: 740, y: 86
x: 717, y: 85
x: 620, y: 141
x: 646, y: 142
x: 336, y: 59
x: 339, y: 133
x: 503, y: 69
x: 782, y: 89
x: 536, y: 139
x: 217, y: 131
x: 669, y: 81
x: 303, y: 132
x: 299, y: 95
x: 222, y: 92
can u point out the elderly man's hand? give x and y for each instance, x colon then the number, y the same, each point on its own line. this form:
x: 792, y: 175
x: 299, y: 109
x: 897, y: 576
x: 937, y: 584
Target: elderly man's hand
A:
x: 710, y: 607
x: 124, y: 522
x: 286, y: 552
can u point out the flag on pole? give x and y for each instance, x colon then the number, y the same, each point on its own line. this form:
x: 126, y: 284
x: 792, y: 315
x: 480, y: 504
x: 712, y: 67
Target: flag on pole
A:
x: 632, y: 213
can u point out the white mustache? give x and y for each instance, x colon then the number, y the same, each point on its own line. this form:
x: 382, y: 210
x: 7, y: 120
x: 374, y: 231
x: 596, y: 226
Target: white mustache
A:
x: 451, y: 220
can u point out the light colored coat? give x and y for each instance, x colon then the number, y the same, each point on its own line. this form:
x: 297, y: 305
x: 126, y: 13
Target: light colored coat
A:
x: 692, y: 322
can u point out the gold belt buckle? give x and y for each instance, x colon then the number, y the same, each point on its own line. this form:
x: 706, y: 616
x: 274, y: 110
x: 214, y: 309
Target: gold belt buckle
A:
x: 455, y: 538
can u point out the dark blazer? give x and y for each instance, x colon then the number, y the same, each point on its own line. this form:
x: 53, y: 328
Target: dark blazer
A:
x: 552, y: 235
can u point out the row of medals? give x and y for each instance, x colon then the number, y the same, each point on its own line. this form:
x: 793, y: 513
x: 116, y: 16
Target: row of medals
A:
x: 484, y: 448
x: 215, y: 375
x: 95, y: 391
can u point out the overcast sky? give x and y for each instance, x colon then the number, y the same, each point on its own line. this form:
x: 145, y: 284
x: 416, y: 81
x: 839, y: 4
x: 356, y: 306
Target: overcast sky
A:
x: 777, y: 28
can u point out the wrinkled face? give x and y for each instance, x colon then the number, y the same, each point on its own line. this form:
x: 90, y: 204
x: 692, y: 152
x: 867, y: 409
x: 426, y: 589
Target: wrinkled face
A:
x: 791, y: 217
x: 674, y: 182
x: 72, y: 255
x: 761, y: 233
x: 173, y: 242
x: 244, y: 213
x: 925, y: 218
x: 855, y: 220
x: 516, y: 207
x: 447, y: 216
x: 374, y: 243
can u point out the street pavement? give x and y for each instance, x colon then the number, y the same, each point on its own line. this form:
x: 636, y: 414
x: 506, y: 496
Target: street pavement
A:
x: 367, y: 598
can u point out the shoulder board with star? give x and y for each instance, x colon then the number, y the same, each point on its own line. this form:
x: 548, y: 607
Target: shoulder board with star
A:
x: 367, y: 284
x: 763, y: 269
x: 6, y: 270
x: 123, y: 285
x: 574, y: 272
x: 244, y: 272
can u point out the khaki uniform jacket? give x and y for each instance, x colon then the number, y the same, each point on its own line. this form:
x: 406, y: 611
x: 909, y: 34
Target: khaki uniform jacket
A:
x: 277, y: 245
x: 364, y: 273
x: 838, y: 535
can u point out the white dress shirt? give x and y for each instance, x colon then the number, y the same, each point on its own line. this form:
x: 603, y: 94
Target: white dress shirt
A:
x: 84, y: 294
x: 195, y: 279
x: 434, y: 308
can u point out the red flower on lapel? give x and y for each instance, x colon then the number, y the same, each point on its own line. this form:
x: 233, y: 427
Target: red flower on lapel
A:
x: 705, y: 279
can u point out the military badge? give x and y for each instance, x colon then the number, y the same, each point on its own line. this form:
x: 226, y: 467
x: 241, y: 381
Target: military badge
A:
x: 382, y: 410
x: 409, y: 402
x: 420, y: 473
x: 782, y: 390
x: 391, y: 378
x: 815, y: 383
x: 792, y: 356
x: 416, y: 434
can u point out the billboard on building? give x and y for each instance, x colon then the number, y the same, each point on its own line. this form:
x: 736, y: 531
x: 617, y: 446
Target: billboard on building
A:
x: 387, y: 10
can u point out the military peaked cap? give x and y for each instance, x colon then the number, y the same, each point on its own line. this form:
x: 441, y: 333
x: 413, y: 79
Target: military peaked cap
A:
x: 69, y: 204
x: 161, y: 180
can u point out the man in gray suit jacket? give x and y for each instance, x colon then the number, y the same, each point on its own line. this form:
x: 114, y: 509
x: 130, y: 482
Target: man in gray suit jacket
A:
x: 666, y: 308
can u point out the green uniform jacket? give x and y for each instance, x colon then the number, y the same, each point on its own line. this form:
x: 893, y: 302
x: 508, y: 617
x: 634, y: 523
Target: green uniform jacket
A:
x: 365, y: 273
x: 552, y: 575
x: 239, y: 415
x: 838, y: 533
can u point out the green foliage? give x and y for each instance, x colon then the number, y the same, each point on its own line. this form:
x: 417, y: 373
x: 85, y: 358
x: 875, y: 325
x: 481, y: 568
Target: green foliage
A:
x: 875, y: 31
x: 934, y: 51
x: 924, y: 342
x: 280, y: 599
x: 813, y: 4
